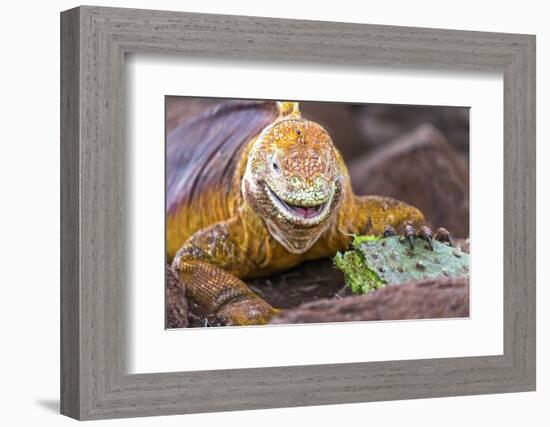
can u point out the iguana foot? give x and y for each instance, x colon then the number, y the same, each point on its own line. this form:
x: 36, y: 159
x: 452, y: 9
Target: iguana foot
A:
x: 423, y: 232
x: 222, y: 294
x: 244, y: 312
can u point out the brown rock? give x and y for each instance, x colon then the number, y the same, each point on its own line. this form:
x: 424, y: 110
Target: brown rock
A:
x: 421, y: 169
x: 380, y: 124
x: 463, y: 244
x: 443, y: 297
x: 181, y: 108
x: 340, y: 122
x: 176, y: 302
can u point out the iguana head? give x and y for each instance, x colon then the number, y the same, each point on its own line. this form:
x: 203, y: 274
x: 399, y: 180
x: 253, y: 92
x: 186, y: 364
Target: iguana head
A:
x: 293, y: 179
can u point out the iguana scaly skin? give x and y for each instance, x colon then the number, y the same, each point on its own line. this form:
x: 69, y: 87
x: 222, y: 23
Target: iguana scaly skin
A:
x: 253, y: 189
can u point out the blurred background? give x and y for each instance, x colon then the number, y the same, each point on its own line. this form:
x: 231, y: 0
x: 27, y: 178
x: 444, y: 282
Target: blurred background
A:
x: 418, y: 154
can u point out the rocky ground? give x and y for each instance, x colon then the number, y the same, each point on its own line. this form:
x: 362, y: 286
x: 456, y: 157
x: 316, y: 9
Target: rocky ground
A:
x: 316, y: 292
x: 445, y: 297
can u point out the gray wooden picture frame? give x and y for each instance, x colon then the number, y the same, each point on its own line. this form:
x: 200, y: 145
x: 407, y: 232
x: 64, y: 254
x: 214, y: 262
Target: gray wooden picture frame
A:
x: 94, y: 41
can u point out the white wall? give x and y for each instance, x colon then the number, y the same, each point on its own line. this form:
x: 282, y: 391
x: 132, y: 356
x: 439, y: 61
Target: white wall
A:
x: 29, y: 212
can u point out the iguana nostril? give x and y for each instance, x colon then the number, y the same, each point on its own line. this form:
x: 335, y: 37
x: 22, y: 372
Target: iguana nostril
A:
x: 320, y: 182
x: 295, y: 181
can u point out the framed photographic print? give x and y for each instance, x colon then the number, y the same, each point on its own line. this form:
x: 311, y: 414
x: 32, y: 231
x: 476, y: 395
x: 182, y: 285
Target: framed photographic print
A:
x: 284, y: 213
x: 253, y: 189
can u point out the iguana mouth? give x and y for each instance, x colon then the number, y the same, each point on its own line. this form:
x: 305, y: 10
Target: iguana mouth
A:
x: 304, y: 215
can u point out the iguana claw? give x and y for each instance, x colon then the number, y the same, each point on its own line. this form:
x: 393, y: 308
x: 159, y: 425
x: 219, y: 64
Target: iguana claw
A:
x: 443, y: 235
x: 389, y: 231
x: 425, y: 233
x: 409, y: 234
x: 246, y: 312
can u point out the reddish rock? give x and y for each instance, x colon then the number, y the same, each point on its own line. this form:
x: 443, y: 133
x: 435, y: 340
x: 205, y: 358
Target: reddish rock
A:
x: 340, y: 122
x: 463, y: 244
x: 444, y: 297
x: 176, y: 302
x: 380, y: 124
x: 422, y: 169
x: 182, y: 108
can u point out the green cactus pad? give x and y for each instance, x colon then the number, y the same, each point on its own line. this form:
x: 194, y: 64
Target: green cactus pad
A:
x: 374, y: 262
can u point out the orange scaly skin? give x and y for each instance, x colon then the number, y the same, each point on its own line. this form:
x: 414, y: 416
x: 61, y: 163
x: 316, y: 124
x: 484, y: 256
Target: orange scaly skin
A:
x: 289, y: 200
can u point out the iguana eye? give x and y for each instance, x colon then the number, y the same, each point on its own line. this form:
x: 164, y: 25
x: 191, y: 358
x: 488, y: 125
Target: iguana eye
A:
x: 275, y: 165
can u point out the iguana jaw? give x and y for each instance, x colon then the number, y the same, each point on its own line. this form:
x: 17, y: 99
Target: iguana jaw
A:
x: 296, y: 240
x: 295, y: 236
x: 305, y: 216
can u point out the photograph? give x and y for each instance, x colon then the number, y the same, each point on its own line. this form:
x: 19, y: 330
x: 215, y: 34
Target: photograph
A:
x: 294, y: 211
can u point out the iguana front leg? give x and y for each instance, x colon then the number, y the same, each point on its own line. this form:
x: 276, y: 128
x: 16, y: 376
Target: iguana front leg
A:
x: 373, y: 214
x: 209, y: 264
x: 383, y: 216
